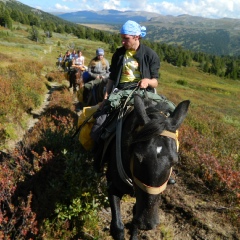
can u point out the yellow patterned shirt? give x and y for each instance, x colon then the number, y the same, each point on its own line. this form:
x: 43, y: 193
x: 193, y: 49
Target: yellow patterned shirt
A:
x: 130, y: 72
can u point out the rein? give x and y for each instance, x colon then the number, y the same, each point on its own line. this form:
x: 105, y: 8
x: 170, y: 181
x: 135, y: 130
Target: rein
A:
x: 121, y: 171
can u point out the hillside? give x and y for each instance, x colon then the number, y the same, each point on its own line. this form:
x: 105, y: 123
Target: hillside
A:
x: 213, y: 36
x: 228, y: 66
x: 48, y: 187
x: 17, y: 7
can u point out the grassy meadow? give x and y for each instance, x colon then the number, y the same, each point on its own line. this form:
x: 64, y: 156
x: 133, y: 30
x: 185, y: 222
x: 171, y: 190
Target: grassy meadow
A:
x: 30, y: 62
x: 209, y: 137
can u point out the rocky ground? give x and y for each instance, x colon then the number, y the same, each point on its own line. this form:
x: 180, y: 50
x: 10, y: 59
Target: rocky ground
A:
x: 185, y: 213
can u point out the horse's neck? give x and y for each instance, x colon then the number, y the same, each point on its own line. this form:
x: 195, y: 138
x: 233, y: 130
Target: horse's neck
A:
x: 128, y: 129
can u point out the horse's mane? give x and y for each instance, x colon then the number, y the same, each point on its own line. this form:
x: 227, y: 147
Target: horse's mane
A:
x: 157, y: 114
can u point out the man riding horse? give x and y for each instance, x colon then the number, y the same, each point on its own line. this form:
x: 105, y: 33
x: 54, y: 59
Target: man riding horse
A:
x: 133, y: 64
x: 142, y: 151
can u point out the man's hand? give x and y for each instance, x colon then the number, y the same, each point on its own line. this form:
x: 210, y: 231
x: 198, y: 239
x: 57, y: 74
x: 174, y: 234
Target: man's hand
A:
x: 143, y: 83
x: 146, y: 82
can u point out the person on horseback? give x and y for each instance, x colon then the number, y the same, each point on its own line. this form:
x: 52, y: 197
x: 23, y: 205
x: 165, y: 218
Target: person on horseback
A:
x: 60, y: 58
x: 98, y: 71
x: 67, y: 60
x: 133, y: 64
x: 78, y: 66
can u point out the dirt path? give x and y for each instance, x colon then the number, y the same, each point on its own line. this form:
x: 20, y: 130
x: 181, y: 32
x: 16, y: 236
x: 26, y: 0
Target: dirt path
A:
x: 184, y: 214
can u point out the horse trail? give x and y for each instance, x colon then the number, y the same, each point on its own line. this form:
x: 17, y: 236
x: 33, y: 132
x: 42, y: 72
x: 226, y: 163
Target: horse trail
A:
x: 187, y: 209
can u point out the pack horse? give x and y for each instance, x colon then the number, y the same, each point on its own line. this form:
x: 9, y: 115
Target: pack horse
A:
x: 148, y: 150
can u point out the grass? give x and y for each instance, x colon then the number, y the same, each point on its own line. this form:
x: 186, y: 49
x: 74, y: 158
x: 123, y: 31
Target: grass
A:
x: 203, y: 90
x: 209, y: 137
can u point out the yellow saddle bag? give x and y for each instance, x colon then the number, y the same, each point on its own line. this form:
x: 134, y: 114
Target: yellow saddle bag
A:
x: 84, y: 135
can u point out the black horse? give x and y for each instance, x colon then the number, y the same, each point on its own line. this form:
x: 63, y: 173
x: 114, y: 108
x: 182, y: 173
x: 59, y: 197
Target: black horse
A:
x: 147, y: 153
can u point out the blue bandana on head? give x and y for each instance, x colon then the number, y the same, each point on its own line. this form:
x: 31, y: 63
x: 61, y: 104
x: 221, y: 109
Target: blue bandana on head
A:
x: 133, y: 28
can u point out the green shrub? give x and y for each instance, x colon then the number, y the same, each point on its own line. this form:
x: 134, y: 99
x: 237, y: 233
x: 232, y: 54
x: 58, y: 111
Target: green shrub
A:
x: 182, y: 82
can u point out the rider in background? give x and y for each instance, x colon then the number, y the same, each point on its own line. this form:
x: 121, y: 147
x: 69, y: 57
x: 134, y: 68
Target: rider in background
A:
x: 98, y: 71
x: 73, y: 55
x: 67, y: 60
x: 79, y: 60
x: 60, y: 59
x: 78, y: 65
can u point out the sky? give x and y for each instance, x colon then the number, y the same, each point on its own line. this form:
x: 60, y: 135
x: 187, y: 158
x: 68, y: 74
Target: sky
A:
x: 202, y: 8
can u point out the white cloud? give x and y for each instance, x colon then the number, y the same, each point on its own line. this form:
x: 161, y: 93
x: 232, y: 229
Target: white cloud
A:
x: 61, y: 7
x: 38, y: 7
x: 112, y: 4
x: 204, y: 8
x: 212, y: 8
x: 167, y: 8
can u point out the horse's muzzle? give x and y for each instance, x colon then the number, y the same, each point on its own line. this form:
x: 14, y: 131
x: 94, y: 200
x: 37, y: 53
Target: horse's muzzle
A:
x: 147, y: 221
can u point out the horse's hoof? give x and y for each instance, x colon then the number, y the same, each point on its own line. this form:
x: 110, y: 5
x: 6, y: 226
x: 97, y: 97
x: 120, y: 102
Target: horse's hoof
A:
x: 134, y: 238
x: 117, y: 234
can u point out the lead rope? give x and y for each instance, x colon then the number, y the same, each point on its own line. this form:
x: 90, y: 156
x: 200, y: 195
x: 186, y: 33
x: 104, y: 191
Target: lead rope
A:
x: 120, y: 168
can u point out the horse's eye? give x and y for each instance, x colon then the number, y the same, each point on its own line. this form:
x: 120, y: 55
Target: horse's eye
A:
x: 159, y: 149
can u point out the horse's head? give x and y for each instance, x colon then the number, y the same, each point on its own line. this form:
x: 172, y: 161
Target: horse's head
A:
x: 154, y: 148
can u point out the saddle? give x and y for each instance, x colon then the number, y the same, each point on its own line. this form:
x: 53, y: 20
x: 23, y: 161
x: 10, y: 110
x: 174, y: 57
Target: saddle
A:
x: 109, y: 131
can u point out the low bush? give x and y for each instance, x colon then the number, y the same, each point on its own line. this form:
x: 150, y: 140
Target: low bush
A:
x: 48, y: 187
x: 22, y: 89
x: 182, y: 82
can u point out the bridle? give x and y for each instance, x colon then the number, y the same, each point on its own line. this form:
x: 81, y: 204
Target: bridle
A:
x: 121, y: 171
x: 125, y: 177
x: 150, y: 189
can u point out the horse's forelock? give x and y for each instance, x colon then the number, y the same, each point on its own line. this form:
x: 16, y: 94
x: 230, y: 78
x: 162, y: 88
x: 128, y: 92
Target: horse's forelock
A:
x: 151, y: 129
x: 154, y: 127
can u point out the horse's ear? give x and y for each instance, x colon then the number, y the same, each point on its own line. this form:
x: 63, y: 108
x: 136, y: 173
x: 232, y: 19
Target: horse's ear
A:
x: 178, y: 115
x: 140, y: 111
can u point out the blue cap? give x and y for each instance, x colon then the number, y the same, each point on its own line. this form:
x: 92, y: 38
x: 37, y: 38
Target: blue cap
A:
x: 99, y: 51
x: 133, y: 28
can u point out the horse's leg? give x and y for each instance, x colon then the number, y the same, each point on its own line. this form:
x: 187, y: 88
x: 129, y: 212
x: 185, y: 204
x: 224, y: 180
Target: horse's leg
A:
x: 134, y: 229
x: 117, y: 227
x: 134, y: 232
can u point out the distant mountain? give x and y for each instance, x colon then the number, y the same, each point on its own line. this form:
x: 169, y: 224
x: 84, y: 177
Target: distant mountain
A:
x: 107, y: 16
x: 214, y: 36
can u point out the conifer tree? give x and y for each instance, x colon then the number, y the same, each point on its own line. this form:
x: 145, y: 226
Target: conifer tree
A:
x: 5, y: 19
x: 34, y: 34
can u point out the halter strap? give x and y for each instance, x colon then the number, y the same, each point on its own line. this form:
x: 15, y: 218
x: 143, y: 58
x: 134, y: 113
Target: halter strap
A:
x: 150, y: 189
x: 169, y: 134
